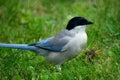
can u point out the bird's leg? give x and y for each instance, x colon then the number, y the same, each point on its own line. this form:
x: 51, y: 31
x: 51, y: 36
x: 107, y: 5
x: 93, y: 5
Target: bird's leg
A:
x: 58, y: 68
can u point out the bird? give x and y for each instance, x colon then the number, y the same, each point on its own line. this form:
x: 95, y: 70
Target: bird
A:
x: 63, y: 46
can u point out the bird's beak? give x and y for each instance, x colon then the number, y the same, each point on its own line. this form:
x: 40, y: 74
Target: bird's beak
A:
x: 89, y: 22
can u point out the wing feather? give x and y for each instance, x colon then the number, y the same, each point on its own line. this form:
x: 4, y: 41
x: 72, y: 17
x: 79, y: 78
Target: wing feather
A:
x: 55, y: 43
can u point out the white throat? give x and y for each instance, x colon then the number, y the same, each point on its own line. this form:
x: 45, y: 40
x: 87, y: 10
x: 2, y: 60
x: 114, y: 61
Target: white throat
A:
x: 78, y: 29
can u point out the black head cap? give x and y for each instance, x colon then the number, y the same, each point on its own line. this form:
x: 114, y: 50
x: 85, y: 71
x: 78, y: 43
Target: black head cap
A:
x: 76, y: 21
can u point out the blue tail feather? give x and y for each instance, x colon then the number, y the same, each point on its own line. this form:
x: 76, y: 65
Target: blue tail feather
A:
x: 19, y: 46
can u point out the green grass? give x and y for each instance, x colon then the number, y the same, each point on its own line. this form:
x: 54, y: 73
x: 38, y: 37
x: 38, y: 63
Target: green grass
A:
x: 27, y: 21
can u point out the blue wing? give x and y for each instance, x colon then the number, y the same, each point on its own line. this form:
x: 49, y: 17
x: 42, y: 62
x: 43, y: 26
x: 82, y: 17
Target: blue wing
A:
x: 47, y: 45
x: 56, y: 43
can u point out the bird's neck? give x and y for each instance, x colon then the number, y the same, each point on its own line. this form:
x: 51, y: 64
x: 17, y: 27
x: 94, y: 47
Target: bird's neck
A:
x: 78, y: 29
